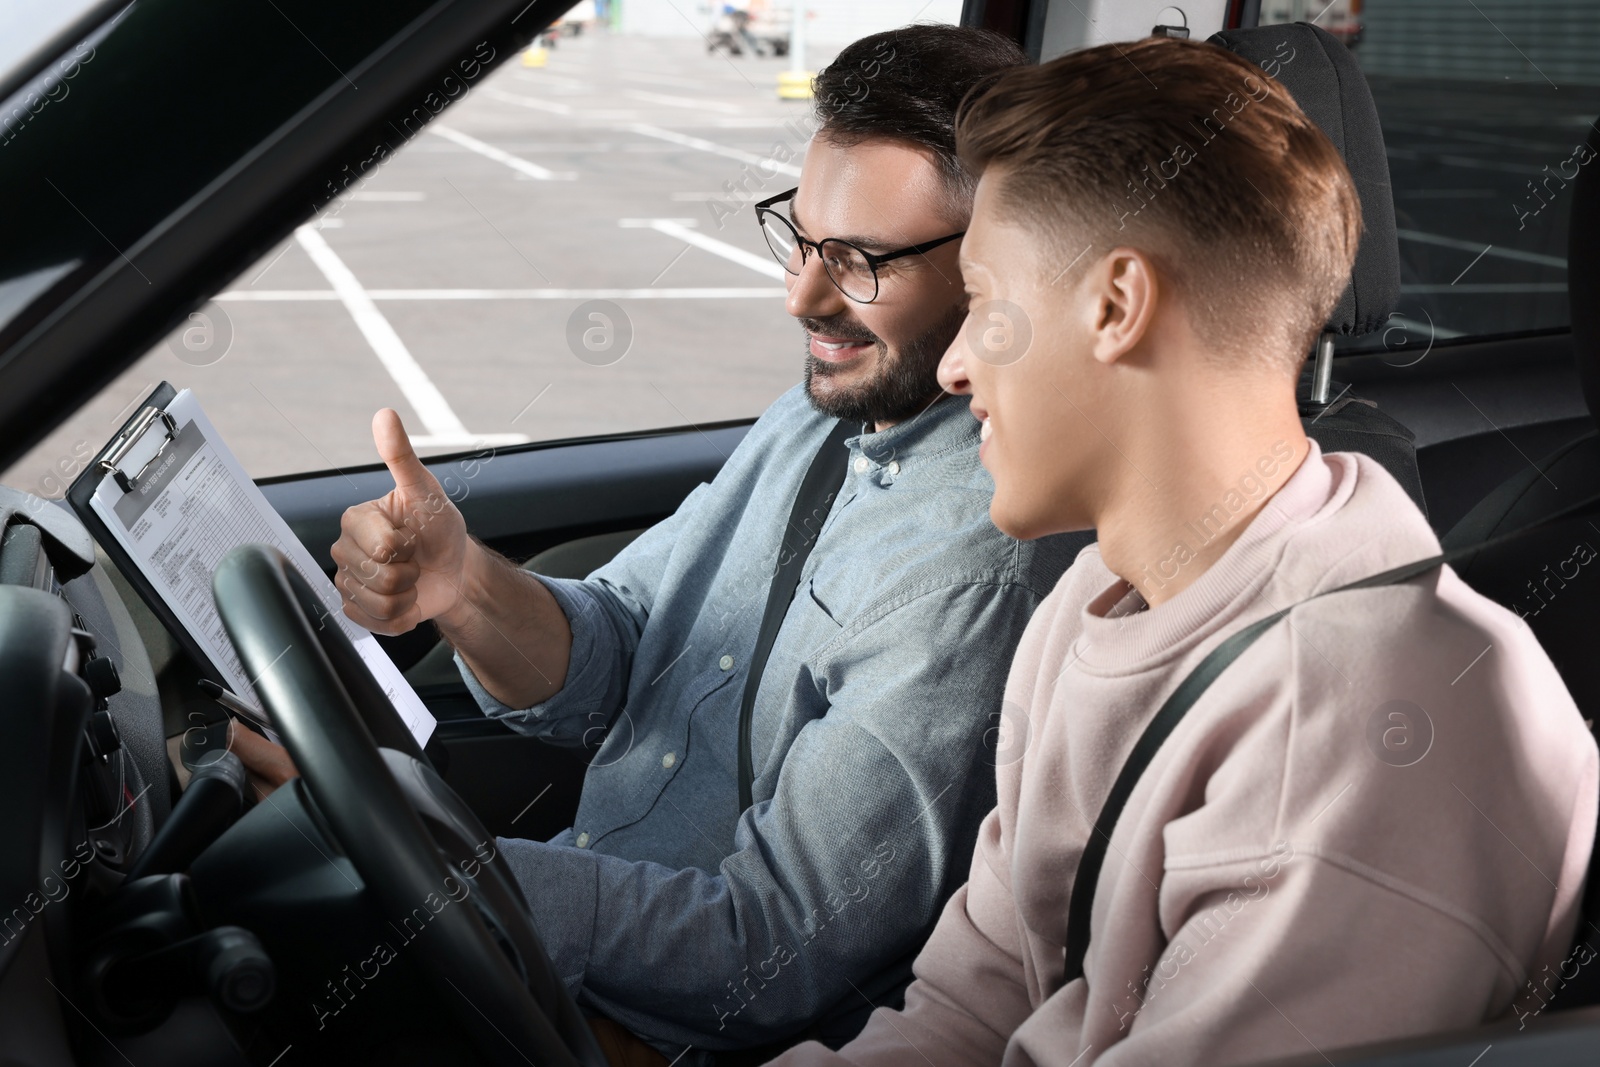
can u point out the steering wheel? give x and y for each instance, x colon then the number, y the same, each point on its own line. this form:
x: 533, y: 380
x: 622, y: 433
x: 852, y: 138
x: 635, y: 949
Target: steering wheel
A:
x: 485, y: 957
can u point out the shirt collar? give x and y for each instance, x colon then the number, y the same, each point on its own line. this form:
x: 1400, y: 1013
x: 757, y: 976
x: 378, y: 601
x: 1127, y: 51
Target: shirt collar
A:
x: 944, y: 426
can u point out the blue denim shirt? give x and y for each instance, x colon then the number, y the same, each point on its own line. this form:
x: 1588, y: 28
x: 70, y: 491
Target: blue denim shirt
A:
x: 696, y: 924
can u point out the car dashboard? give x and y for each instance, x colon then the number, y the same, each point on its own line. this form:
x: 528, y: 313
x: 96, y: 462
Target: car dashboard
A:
x: 84, y: 777
x: 122, y: 789
x: 177, y: 921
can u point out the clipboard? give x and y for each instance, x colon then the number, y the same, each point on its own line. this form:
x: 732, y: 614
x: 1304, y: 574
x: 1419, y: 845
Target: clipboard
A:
x: 166, y: 499
x: 81, y: 492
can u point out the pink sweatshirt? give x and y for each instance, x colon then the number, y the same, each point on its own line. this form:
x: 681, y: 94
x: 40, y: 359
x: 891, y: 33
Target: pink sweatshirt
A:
x: 1374, y: 824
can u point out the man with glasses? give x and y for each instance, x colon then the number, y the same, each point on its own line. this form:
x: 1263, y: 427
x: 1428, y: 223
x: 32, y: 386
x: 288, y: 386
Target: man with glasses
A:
x: 790, y: 773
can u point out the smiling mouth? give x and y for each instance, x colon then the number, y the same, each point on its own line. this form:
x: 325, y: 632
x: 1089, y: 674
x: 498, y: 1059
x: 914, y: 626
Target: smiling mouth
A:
x: 839, y: 349
x: 830, y: 347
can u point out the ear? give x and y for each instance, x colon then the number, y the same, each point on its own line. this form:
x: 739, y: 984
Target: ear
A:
x: 1123, y: 291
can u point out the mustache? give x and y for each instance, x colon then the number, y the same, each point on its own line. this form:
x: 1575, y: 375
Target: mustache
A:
x: 840, y: 326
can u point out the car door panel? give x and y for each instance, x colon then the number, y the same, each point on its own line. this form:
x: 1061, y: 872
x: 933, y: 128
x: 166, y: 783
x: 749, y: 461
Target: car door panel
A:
x: 531, y: 498
x: 1481, y: 410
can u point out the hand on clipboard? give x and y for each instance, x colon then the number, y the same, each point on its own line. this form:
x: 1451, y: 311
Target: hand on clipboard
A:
x: 167, y: 500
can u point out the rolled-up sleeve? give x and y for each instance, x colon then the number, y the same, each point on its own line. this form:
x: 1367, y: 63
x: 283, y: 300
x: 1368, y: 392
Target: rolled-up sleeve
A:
x: 869, y: 827
x: 603, y: 635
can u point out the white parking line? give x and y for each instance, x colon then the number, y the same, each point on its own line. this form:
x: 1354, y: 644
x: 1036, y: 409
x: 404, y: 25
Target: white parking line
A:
x: 652, y: 77
x: 1483, y: 287
x: 292, y: 295
x: 1419, y: 237
x: 752, y: 123
x: 545, y: 77
x: 675, y: 228
x: 1441, y: 333
x: 525, y: 101
x: 443, y: 427
x: 489, y: 151
x: 692, y: 103
x: 702, y: 145
x: 732, y: 120
x: 700, y: 198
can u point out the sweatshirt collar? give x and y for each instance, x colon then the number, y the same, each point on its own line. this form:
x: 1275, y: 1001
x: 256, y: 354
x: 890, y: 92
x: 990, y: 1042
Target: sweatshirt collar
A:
x: 1231, y: 586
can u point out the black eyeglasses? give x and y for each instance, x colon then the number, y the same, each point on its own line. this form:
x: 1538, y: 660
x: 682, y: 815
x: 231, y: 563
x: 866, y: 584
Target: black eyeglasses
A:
x: 853, y: 270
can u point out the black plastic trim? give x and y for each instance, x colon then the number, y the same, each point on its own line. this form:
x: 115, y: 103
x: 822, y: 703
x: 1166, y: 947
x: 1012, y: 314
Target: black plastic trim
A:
x: 1448, y: 356
x: 507, y: 450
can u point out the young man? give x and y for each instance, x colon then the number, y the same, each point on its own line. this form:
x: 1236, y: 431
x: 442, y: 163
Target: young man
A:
x: 669, y: 906
x: 1375, y: 823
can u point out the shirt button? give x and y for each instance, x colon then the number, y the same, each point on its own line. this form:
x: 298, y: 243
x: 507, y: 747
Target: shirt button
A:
x: 894, y: 466
x: 862, y: 465
x: 583, y: 840
x: 726, y: 663
x: 668, y: 760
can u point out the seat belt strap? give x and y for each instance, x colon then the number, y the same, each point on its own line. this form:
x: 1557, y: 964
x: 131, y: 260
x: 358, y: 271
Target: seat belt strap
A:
x: 1080, y: 908
x: 817, y: 490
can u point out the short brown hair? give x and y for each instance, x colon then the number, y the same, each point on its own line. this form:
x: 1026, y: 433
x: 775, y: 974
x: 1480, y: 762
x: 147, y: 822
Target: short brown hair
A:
x: 906, y: 85
x: 1195, y: 157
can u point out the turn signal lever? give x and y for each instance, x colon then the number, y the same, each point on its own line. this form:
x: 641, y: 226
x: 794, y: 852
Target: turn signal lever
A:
x: 213, y: 802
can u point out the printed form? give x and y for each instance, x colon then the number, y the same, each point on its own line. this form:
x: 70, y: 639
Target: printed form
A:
x: 192, y: 507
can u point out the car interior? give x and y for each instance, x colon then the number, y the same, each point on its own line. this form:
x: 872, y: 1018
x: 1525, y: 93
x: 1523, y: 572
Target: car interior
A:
x: 149, y: 913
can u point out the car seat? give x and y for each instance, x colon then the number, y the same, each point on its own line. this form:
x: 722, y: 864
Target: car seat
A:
x: 1551, y: 576
x: 1324, y: 79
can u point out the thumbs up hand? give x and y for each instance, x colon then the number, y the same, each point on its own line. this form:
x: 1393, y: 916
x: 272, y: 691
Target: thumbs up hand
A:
x: 401, y: 558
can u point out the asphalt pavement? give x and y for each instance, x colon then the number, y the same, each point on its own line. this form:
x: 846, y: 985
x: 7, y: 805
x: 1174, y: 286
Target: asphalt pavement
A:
x: 568, y: 250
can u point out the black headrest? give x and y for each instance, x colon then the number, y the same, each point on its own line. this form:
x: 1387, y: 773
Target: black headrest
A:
x: 1322, y: 76
x: 1583, y: 275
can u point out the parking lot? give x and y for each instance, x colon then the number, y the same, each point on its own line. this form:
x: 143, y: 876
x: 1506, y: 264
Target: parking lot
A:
x: 570, y: 251
x: 457, y: 281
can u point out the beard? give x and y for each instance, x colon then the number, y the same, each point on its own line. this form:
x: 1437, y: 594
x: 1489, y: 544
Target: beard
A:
x: 903, y: 381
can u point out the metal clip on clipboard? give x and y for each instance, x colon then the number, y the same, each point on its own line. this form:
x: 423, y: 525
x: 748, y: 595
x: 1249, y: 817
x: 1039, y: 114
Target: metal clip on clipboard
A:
x: 123, y: 443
